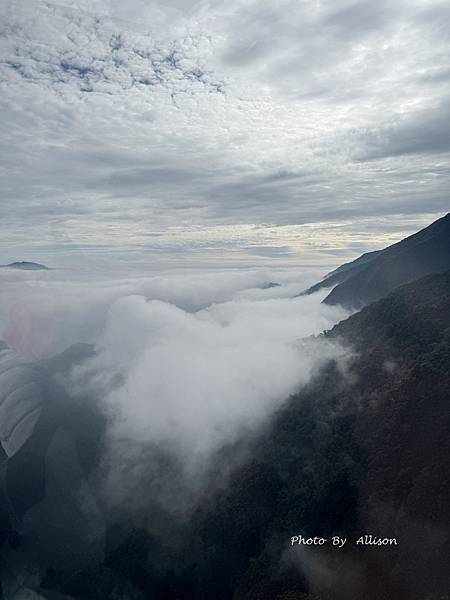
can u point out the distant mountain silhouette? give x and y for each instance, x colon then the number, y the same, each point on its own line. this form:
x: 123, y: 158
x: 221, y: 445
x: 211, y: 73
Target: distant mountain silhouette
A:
x: 369, y: 279
x: 269, y: 285
x: 358, y: 262
x: 342, y: 273
x: 26, y: 266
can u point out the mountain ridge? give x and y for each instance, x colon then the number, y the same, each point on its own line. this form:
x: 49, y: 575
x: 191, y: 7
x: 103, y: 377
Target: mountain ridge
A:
x: 418, y: 255
x: 26, y: 266
x: 320, y: 469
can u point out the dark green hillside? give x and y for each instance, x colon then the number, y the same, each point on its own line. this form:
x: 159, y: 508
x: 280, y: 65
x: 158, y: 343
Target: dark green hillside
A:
x: 363, y: 449
x: 367, y: 452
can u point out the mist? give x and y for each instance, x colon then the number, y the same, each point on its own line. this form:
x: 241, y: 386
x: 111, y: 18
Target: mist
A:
x: 198, y: 379
x: 183, y: 363
x: 44, y: 312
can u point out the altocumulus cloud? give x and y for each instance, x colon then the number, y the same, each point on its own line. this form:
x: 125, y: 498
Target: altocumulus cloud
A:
x: 168, y: 117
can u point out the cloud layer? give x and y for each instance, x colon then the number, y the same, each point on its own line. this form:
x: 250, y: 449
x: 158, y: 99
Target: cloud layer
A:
x: 182, y: 379
x: 44, y: 312
x: 220, y: 129
x: 185, y: 363
x: 196, y: 380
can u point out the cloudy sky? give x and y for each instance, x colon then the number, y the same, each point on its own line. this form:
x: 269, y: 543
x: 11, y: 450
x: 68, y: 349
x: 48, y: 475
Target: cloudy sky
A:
x: 242, y: 132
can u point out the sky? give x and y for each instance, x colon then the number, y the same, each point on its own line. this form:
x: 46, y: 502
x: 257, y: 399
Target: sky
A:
x: 238, y: 133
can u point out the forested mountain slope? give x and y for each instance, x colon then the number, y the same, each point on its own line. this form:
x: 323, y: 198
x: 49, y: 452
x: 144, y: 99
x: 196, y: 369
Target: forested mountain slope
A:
x: 342, y: 273
x: 418, y: 255
x: 361, y: 451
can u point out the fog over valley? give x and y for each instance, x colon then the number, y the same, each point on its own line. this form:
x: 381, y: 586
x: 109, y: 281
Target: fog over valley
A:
x: 224, y: 300
x: 200, y: 355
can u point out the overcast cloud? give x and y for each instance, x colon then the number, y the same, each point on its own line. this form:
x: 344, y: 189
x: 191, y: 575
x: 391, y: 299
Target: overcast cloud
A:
x: 244, y: 132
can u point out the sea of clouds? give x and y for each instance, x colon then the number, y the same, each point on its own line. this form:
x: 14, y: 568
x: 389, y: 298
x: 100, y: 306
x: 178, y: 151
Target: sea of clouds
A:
x: 190, y: 361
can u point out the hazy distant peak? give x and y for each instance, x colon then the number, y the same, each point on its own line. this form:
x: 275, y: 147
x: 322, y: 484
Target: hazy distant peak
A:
x: 26, y: 266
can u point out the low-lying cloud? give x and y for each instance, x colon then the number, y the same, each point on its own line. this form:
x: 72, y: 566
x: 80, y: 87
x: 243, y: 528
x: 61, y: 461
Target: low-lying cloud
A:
x: 44, y: 312
x: 196, y: 379
x: 185, y: 363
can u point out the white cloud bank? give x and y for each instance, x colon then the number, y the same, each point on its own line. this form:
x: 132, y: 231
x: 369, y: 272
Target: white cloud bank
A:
x: 185, y: 363
x: 195, y: 380
x: 44, y: 312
